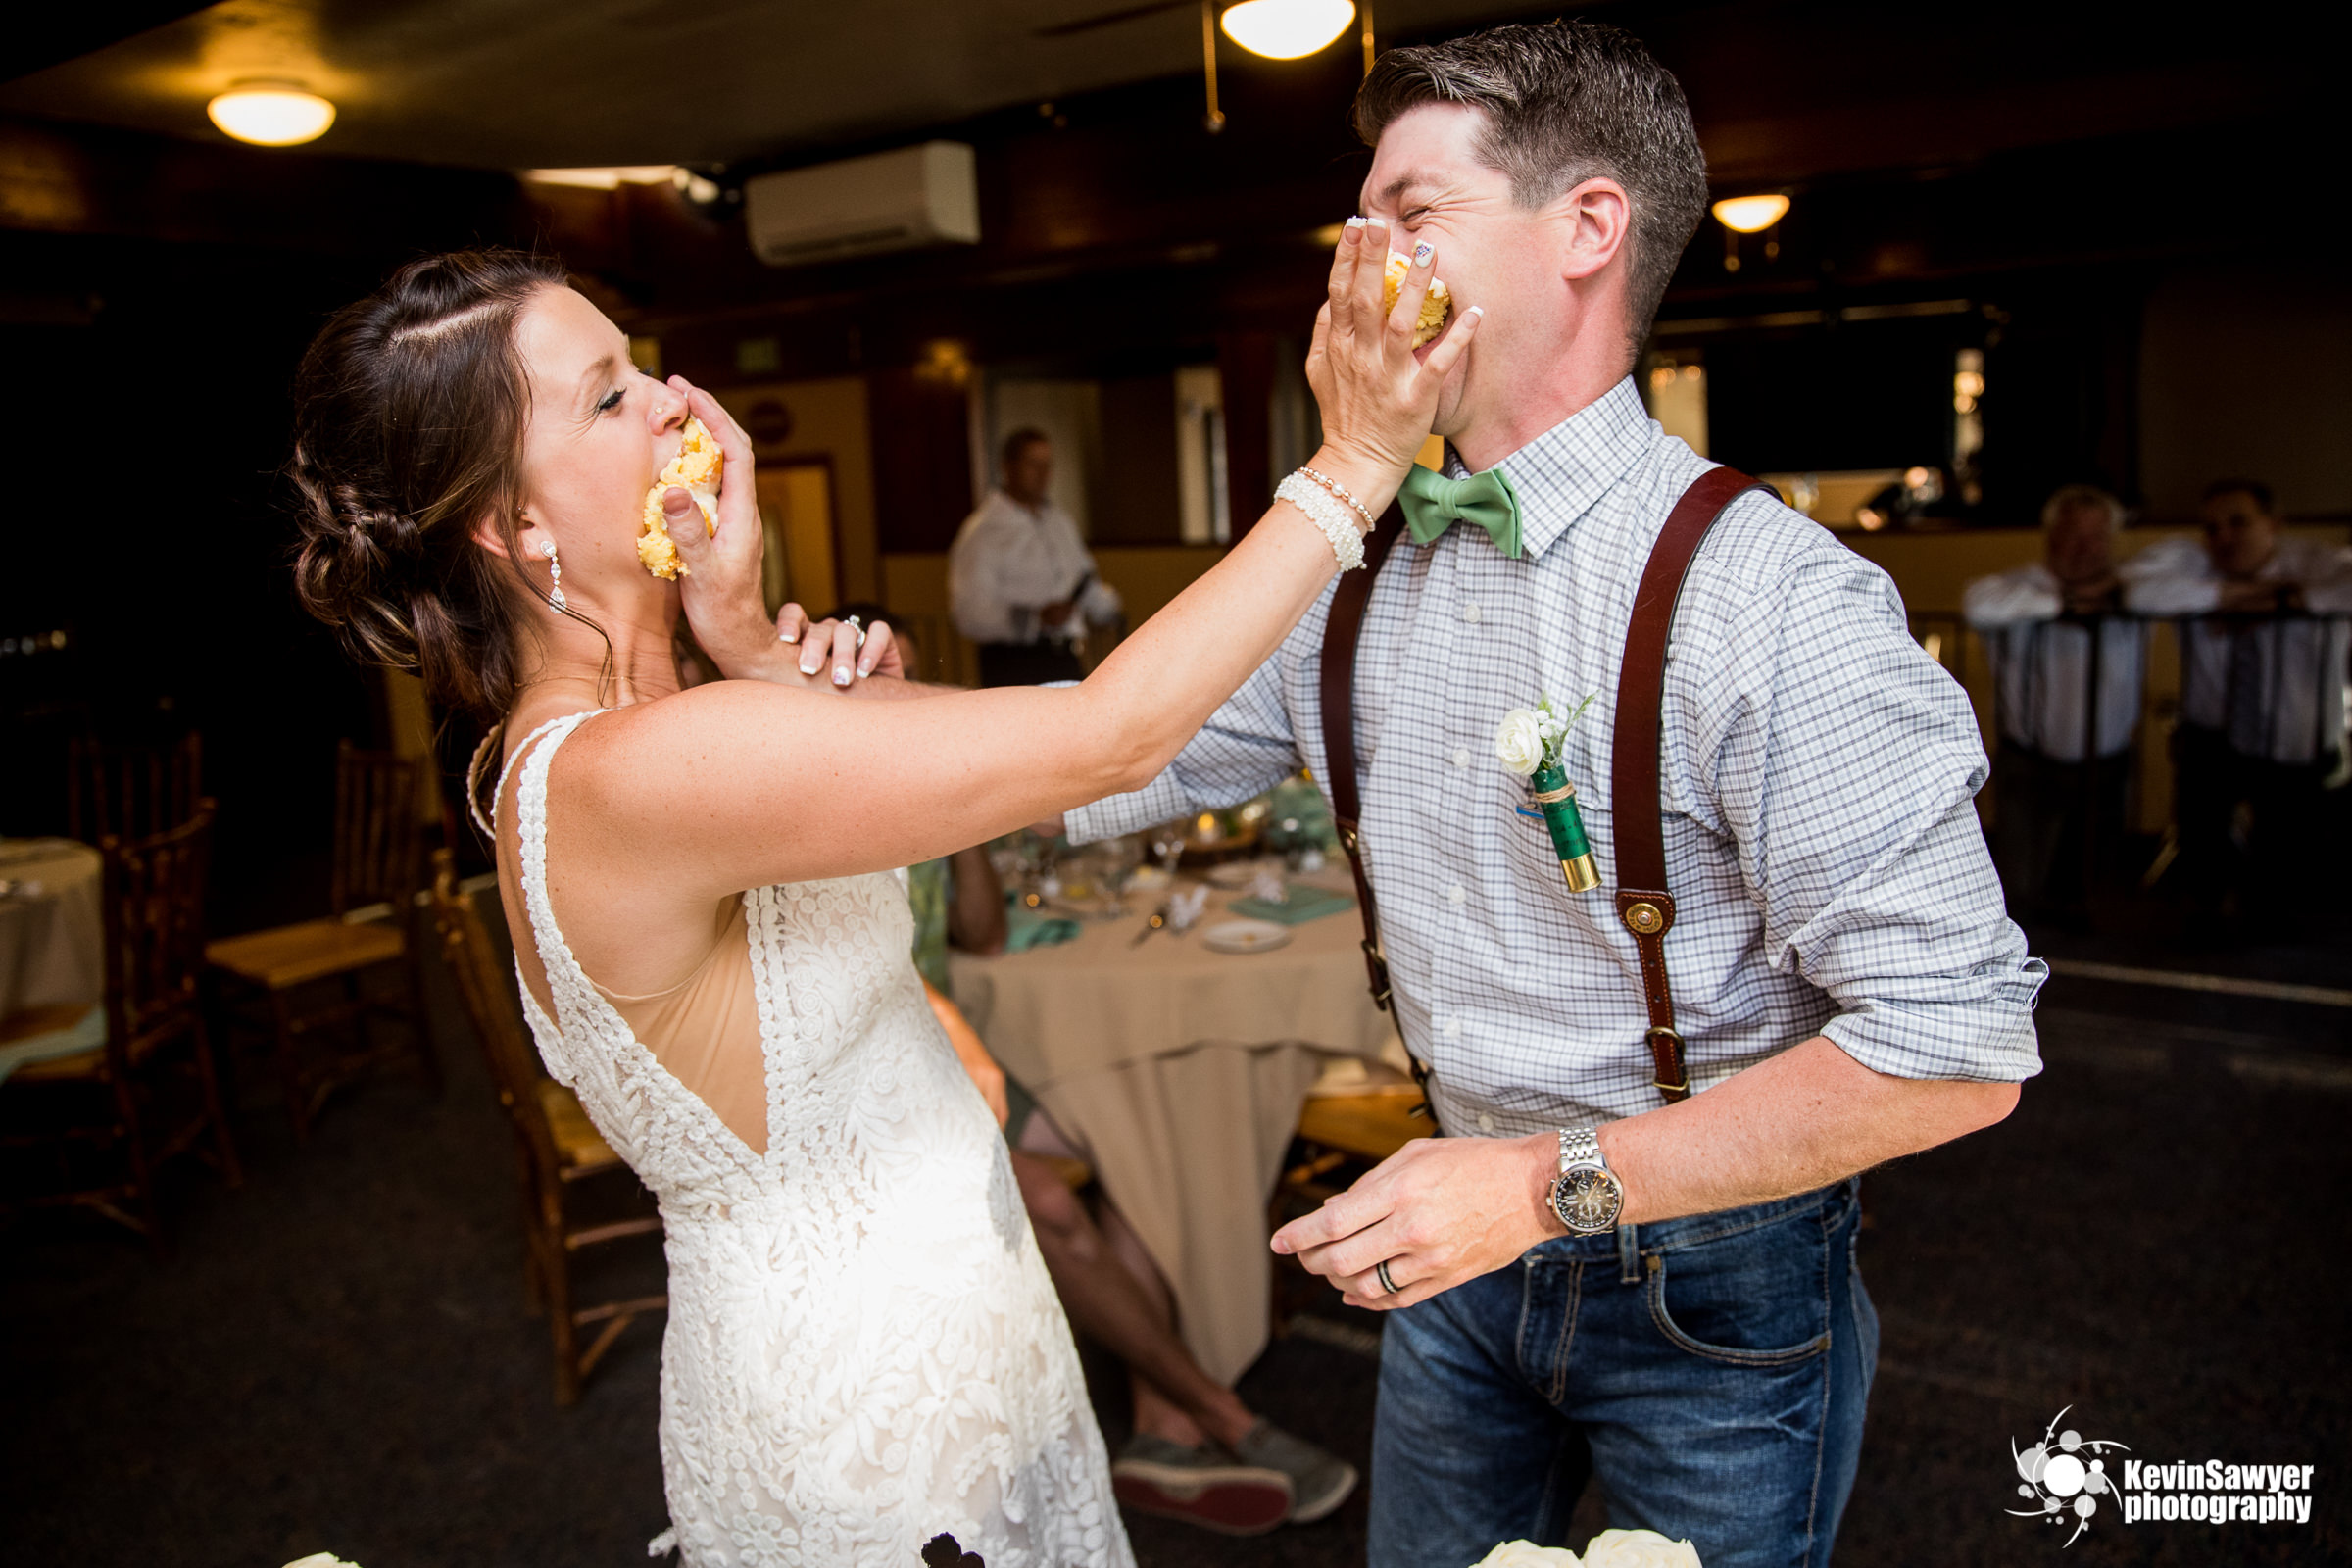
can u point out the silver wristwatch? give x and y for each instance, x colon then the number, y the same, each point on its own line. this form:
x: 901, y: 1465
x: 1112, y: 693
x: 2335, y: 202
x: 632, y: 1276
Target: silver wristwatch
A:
x: 1587, y: 1195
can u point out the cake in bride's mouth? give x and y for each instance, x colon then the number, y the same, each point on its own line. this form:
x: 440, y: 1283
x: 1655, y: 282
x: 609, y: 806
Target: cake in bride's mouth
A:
x: 695, y: 470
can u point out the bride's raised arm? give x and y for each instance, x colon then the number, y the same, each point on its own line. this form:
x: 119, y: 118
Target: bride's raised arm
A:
x: 739, y: 783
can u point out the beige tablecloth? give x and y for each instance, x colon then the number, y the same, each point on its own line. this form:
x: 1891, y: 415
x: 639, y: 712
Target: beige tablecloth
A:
x: 1181, y: 1072
x: 51, y: 935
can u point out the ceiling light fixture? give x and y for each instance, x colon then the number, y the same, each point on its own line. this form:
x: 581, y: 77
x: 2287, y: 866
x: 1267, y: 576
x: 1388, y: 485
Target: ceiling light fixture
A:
x: 271, y: 113
x: 1747, y: 215
x: 1287, y: 30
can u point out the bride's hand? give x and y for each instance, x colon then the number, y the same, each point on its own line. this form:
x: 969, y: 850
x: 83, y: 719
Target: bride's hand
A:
x: 836, y: 641
x: 1378, y: 395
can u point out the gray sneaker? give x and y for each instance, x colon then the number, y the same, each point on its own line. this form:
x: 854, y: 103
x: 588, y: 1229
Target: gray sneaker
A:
x: 1206, y: 1487
x: 1319, y: 1482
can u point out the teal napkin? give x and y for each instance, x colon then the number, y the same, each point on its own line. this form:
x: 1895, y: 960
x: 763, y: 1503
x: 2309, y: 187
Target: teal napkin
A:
x: 1305, y: 904
x: 1025, y: 928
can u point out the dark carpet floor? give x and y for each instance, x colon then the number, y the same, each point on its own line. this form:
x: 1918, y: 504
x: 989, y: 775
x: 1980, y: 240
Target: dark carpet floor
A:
x: 337, y: 1356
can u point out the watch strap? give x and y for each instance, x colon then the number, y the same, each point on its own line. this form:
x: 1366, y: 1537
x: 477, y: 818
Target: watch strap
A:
x: 1580, y: 1146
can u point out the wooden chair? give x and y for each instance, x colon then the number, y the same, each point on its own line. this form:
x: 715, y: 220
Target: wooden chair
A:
x: 149, y: 1091
x: 558, y: 1146
x: 132, y: 792
x: 373, y: 895
x: 1340, y: 1137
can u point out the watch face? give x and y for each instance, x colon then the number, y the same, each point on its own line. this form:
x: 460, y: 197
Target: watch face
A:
x: 1587, y: 1199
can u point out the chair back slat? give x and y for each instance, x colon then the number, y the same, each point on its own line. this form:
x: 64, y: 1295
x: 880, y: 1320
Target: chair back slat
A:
x: 153, y: 893
x: 486, y: 986
x: 375, y: 830
x: 132, y: 792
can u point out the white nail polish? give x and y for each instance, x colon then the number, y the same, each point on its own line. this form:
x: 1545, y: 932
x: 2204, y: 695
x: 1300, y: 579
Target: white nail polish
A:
x: 841, y: 675
x: 1478, y: 309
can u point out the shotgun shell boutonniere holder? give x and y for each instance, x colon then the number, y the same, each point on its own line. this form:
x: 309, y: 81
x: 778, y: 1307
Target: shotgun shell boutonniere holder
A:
x: 1528, y: 743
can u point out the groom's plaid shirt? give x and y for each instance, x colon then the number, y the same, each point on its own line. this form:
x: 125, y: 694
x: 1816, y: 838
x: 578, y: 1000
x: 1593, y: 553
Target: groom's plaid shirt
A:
x: 1827, y: 871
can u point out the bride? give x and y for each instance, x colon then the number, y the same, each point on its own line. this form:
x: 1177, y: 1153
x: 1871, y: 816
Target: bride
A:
x: 863, y: 1349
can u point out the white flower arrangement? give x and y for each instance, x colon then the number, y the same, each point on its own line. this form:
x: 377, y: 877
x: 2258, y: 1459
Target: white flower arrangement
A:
x: 1611, y: 1548
x: 1639, y: 1548
x: 1526, y: 1553
x: 1530, y: 738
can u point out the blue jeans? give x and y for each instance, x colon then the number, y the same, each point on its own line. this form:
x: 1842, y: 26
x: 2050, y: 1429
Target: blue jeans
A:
x: 1712, y: 1370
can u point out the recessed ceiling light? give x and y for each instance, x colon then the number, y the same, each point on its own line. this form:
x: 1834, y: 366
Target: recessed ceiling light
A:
x: 1287, y: 30
x: 271, y: 113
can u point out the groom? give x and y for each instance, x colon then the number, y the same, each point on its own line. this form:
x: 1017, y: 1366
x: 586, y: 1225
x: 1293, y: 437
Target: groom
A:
x: 1846, y: 984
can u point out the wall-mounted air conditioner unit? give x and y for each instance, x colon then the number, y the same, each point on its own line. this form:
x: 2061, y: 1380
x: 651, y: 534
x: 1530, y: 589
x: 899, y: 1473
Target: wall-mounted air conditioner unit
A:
x: 894, y: 201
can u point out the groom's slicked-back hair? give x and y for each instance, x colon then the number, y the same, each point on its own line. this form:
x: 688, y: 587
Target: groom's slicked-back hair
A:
x: 1566, y: 101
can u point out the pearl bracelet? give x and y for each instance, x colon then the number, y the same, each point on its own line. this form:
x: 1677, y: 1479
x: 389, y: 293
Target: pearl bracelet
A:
x: 1323, y: 510
x: 1341, y: 490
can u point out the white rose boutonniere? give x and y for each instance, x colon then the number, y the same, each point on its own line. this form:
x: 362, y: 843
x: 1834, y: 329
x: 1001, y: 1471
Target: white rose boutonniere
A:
x: 1639, y: 1548
x: 1520, y: 742
x: 1531, y: 742
x: 1527, y: 1554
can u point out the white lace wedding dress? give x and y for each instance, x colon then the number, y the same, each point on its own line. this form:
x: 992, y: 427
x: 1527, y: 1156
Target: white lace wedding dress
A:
x: 864, y: 1346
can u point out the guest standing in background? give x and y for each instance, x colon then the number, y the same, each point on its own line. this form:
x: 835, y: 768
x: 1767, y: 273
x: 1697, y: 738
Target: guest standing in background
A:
x: 2058, y: 790
x: 1019, y: 579
x: 2263, y: 663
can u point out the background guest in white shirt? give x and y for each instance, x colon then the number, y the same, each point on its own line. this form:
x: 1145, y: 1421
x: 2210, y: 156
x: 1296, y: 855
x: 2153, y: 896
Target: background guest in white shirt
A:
x: 2058, y: 778
x: 2263, y: 666
x: 1019, y: 579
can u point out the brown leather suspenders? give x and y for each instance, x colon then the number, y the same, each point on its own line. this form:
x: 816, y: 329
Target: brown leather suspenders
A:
x: 1339, y: 730
x: 1642, y: 901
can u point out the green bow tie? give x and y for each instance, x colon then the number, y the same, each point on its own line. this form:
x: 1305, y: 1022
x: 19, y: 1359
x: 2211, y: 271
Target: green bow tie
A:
x: 1433, y: 504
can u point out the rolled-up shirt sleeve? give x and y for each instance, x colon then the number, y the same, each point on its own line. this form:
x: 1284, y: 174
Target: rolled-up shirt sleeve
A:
x: 2171, y: 577
x: 1848, y: 777
x: 985, y: 606
x: 1245, y: 750
x: 2008, y: 599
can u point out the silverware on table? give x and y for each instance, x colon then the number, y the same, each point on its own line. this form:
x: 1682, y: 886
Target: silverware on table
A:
x: 1158, y: 922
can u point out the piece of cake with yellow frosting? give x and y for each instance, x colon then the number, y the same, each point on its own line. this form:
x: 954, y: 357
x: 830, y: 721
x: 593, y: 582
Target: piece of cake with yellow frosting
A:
x: 1436, y: 305
x: 695, y: 470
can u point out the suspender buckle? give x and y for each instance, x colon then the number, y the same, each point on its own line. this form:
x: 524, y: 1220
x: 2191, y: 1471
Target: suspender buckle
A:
x: 1674, y: 1048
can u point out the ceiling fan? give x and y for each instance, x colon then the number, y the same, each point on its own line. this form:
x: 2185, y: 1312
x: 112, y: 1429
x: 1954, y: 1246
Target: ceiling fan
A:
x: 1279, y: 29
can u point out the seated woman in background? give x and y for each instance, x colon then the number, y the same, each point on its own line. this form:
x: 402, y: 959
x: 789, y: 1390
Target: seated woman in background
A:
x: 864, y: 1346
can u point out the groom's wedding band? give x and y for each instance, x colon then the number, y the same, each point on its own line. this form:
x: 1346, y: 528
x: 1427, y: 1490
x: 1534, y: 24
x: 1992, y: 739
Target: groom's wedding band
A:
x: 1387, y: 1284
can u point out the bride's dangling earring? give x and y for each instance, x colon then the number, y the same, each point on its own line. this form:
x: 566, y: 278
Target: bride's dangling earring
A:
x: 555, y: 578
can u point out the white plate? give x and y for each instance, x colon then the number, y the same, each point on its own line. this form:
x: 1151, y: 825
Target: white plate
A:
x: 1245, y: 936
x: 1237, y: 874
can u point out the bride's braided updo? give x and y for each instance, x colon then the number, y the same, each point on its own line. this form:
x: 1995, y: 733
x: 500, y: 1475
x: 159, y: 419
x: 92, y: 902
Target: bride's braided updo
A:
x: 410, y: 410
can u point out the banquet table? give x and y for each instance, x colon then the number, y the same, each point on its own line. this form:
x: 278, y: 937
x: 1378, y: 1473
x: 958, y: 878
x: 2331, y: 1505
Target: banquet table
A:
x: 51, y: 938
x: 1180, y: 1073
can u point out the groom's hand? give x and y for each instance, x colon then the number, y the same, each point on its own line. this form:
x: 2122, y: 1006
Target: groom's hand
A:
x: 1439, y: 1211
